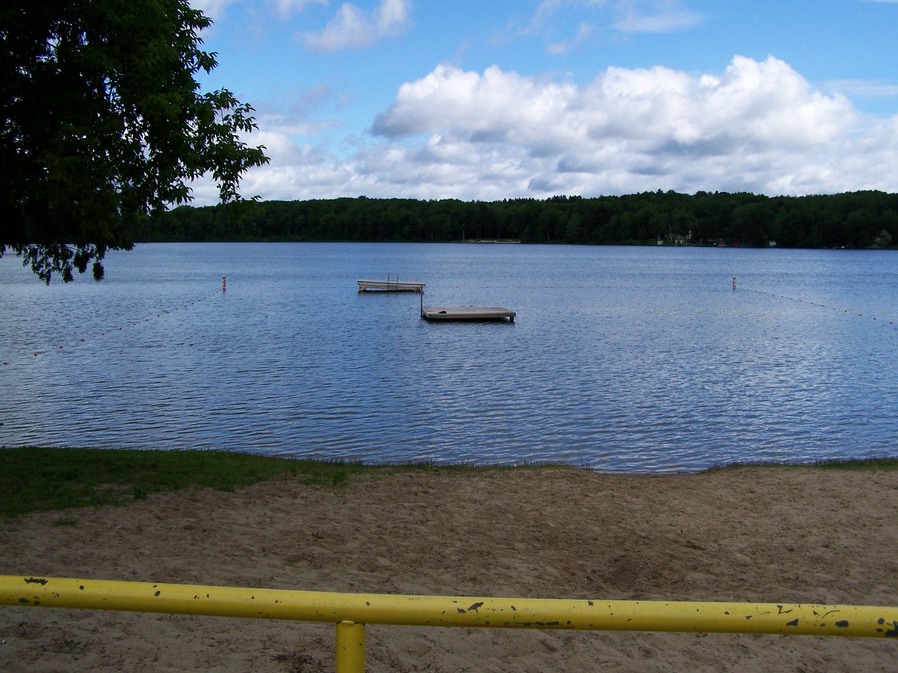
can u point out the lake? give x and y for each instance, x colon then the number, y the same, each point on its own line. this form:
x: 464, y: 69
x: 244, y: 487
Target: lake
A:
x: 621, y: 359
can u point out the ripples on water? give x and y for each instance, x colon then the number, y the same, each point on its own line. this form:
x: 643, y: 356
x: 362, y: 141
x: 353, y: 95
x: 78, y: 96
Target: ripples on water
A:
x: 621, y: 359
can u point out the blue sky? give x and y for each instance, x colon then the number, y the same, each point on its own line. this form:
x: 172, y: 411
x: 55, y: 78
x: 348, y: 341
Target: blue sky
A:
x: 505, y: 99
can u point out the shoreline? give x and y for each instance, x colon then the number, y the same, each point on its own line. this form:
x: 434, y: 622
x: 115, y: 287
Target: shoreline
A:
x: 36, y: 479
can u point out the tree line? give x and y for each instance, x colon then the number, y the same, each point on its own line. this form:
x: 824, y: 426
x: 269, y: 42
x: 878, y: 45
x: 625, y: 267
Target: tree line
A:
x: 867, y: 219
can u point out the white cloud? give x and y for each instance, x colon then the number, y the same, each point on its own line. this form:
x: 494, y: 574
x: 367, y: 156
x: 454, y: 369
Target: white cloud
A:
x: 494, y: 107
x: 353, y: 28
x: 624, y: 16
x: 760, y: 103
x: 548, y: 8
x: 867, y: 89
x: 757, y: 126
x: 653, y: 16
x: 288, y: 7
x: 584, y: 32
x: 214, y: 9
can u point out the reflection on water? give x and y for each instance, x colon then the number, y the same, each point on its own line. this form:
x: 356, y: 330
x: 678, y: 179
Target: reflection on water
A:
x: 622, y: 359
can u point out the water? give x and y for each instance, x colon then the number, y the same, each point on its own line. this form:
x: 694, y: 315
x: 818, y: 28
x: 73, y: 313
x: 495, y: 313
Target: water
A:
x: 621, y: 359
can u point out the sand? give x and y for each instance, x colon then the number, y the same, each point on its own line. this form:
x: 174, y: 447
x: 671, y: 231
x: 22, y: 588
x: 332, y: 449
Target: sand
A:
x: 754, y: 534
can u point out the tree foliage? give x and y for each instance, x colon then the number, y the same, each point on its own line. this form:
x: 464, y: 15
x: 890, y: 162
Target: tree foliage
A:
x: 851, y: 220
x: 103, y: 122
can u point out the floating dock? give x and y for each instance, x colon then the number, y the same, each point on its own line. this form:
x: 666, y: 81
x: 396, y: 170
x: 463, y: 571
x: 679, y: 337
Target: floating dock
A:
x: 390, y: 285
x: 467, y: 313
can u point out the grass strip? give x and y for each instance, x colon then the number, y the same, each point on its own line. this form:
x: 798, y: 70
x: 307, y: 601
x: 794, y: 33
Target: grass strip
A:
x: 35, y: 479
x: 844, y: 464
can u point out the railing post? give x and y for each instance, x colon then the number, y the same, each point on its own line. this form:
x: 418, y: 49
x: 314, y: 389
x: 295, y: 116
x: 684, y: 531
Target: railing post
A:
x: 350, y: 647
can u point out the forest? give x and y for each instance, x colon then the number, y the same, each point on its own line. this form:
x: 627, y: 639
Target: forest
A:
x: 867, y: 219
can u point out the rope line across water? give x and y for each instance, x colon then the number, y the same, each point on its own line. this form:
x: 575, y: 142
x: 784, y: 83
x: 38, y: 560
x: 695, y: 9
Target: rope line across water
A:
x: 157, y: 314
x: 852, y: 312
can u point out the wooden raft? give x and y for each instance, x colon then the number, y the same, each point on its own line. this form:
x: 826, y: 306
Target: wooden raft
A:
x: 467, y: 313
x: 390, y: 285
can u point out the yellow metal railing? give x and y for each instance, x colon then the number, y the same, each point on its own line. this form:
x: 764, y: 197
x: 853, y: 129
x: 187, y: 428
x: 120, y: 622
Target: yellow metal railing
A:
x: 351, y: 612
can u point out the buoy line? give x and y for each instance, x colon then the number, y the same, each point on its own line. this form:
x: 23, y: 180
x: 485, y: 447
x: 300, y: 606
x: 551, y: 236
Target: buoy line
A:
x: 829, y: 307
x: 159, y: 313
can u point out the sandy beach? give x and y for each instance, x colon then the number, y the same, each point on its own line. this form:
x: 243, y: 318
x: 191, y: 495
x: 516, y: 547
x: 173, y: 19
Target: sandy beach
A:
x: 752, y: 534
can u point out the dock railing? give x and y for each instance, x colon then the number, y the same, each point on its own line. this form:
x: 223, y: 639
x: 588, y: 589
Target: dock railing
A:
x: 351, y: 612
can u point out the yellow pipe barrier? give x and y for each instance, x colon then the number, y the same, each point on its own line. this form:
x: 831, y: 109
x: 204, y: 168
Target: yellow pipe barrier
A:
x: 539, y: 613
x: 350, y: 612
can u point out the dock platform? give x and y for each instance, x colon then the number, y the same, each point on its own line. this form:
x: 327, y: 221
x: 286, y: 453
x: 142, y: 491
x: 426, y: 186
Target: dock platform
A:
x: 390, y: 285
x: 467, y: 313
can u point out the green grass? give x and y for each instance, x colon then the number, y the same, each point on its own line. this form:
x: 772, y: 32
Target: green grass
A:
x: 853, y: 464
x: 866, y: 465
x: 41, y: 479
